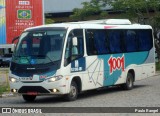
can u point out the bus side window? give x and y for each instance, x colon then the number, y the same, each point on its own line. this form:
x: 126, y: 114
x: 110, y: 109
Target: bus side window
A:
x: 115, y: 41
x: 72, y: 51
x: 145, y: 40
x: 100, y: 42
x: 90, y: 42
x: 131, y: 41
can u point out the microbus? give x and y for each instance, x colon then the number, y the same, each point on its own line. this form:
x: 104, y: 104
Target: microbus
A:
x: 68, y: 58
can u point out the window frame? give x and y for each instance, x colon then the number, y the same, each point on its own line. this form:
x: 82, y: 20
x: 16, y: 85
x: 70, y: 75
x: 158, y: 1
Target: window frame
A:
x: 123, y: 44
x: 69, y: 59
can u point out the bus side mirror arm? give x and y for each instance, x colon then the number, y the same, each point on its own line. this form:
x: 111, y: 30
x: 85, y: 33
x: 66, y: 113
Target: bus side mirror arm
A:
x: 14, y: 39
x: 13, y: 44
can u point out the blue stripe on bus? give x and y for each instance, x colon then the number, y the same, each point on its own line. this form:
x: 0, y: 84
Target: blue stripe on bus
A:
x: 136, y: 58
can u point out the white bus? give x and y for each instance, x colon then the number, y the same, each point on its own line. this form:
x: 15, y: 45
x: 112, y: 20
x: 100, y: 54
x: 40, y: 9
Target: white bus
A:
x: 68, y: 58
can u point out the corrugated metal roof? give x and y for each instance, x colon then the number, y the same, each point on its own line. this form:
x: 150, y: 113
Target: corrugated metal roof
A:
x: 57, y: 6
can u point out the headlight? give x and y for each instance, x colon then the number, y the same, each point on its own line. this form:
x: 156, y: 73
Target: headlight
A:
x: 12, y: 79
x: 55, y: 78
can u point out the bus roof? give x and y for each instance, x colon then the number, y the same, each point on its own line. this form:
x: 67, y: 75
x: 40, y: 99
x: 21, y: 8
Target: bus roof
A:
x: 96, y: 24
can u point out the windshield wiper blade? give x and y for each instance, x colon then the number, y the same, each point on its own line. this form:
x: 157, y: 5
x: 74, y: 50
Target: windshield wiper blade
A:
x: 40, y: 55
x: 50, y: 59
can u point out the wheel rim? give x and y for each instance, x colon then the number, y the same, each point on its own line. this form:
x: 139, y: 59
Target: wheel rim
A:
x: 73, y: 91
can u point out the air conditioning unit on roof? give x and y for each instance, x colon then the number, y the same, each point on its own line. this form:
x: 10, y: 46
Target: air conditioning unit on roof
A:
x: 118, y: 22
x: 107, y: 21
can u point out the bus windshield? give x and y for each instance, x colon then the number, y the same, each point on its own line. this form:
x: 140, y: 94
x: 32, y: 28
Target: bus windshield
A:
x: 39, y: 47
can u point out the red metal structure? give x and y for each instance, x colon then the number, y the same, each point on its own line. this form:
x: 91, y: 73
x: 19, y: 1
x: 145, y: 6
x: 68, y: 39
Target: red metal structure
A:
x: 21, y: 14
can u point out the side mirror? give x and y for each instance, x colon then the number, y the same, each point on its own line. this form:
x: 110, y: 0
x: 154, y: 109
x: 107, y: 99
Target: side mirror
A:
x: 74, y: 41
x: 75, y: 44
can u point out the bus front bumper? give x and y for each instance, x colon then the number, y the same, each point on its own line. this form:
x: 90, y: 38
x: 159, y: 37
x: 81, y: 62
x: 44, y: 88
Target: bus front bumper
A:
x: 39, y: 88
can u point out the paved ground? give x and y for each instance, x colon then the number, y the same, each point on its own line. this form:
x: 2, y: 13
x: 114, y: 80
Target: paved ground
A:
x: 146, y: 93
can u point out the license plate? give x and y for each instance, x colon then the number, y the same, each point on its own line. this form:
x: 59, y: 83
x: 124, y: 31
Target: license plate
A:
x: 31, y: 78
x: 26, y: 78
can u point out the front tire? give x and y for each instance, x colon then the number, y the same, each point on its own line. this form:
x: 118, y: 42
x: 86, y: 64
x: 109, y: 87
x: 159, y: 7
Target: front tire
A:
x: 73, y: 92
x: 29, y: 98
x: 129, y: 82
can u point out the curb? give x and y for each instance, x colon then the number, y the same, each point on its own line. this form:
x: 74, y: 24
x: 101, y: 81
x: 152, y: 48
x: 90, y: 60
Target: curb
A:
x: 4, y: 95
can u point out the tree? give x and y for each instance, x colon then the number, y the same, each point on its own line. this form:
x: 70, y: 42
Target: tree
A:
x: 137, y: 8
x: 89, y: 8
x: 49, y: 21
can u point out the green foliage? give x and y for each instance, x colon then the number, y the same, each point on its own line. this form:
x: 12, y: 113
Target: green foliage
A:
x: 156, y: 22
x: 103, y: 14
x: 89, y: 9
x: 49, y: 21
x: 4, y: 89
x: 158, y: 66
x: 137, y: 9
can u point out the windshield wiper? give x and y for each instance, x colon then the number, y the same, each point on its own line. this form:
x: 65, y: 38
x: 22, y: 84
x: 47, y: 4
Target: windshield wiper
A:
x: 50, y: 59
x: 44, y: 57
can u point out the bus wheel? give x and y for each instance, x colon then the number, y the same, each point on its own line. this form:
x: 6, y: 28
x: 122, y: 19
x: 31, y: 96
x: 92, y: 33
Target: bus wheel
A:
x: 73, y: 92
x: 129, y: 82
x: 29, y: 98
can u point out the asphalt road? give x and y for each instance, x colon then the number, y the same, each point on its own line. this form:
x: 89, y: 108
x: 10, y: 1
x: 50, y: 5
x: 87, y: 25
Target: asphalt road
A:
x: 146, y: 93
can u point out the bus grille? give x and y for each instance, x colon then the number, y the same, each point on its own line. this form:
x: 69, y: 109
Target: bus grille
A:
x: 37, y: 89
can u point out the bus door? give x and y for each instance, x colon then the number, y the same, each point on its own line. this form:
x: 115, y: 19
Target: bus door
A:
x: 74, y: 52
